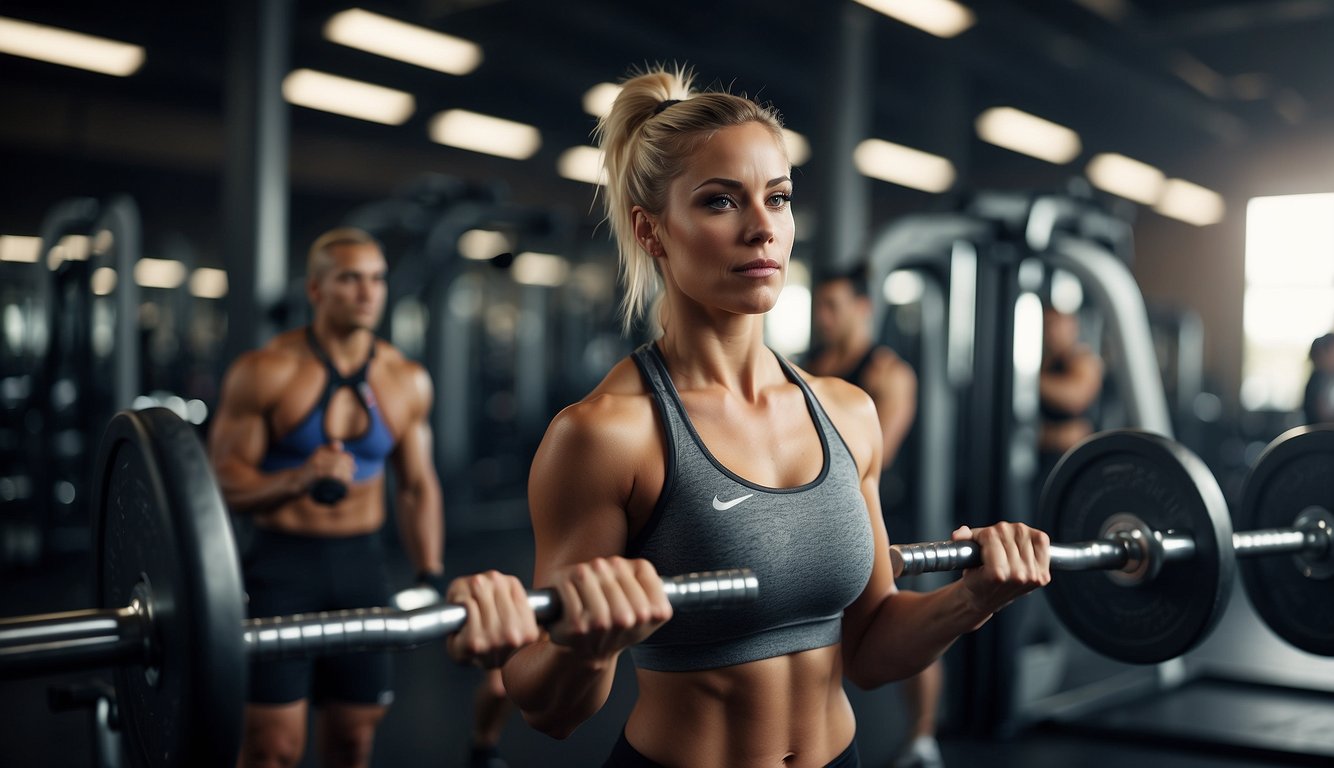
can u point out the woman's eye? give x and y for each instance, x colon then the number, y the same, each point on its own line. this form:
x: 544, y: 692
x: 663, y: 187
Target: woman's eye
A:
x: 719, y: 203
x: 780, y: 200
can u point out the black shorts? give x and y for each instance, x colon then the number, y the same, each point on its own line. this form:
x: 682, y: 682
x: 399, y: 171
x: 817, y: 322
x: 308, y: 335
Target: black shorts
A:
x: 623, y: 755
x: 287, y: 573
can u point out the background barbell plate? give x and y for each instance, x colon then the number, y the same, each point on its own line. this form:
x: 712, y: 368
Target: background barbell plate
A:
x: 1168, y: 487
x: 158, y: 516
x: 1295, y: 472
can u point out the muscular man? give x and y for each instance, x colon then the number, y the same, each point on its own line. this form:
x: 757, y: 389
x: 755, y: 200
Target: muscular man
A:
x: 333, y: 404
x: 847, y: 349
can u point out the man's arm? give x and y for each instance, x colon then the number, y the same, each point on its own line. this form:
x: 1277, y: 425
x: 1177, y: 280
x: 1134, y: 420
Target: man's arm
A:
x: 419, y: 508
x: 1075, y: 389
x: 892, y: 384
x: 238, y: 438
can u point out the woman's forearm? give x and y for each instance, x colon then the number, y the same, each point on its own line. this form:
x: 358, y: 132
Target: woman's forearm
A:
x: 557, y: 689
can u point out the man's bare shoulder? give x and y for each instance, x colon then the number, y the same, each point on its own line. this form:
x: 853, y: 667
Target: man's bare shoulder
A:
x: 260, y: 376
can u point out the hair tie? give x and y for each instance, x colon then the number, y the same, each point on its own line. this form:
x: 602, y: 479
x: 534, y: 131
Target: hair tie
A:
x: 665, y: 104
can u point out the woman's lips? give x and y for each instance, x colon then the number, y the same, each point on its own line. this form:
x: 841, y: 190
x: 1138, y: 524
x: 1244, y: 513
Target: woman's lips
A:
x: 758, y: 268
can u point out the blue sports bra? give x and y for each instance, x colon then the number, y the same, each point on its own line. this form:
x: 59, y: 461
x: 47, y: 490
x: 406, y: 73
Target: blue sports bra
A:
x: 369, y: 449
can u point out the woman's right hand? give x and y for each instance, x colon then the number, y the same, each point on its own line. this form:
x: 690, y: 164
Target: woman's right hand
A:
x: 607, y: 605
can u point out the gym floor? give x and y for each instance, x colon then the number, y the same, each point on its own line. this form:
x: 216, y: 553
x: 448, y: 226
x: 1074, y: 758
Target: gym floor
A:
x: 428, y: 724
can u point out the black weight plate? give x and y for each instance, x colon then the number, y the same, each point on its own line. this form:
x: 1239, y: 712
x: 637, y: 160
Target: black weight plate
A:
x: 1169, y: 488
x: 159, y: 522
x: 1295, y: 472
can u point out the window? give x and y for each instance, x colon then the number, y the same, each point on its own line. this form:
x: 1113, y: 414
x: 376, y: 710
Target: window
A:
x: 1289, y: 295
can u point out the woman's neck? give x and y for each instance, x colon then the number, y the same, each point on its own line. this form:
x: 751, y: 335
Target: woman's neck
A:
x: 731, y: 354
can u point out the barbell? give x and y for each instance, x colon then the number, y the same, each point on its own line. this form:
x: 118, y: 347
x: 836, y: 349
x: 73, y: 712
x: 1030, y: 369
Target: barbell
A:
x: 170, y: 618
x: 1148, y: 514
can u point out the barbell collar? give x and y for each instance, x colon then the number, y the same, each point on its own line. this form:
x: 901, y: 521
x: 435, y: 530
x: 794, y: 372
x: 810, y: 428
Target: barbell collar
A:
x: 361, y: 629
x: 31, y: 646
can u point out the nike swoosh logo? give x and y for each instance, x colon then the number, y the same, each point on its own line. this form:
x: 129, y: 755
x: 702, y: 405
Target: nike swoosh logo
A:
x: 722, y: 506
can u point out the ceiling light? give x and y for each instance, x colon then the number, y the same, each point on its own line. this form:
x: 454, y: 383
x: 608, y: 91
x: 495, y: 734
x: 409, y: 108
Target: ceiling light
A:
x: 1190, y: 203
x: 582, y: 164
x: 543, y: 269
x: 599, y: 98
x: 1199, y: 75
x: 483, y: 244
x: 902, y: 165
x: 942, y: 18
x: 72, y: 49
x: 483, y: 133
x: 208, y: 283
x: 1031, y: 135
x: 20, y: 248
x: 394, y: 39
x: 352, y: 98
x: 1126, y: 177
x: 798, y: 148
x: 159, y: 273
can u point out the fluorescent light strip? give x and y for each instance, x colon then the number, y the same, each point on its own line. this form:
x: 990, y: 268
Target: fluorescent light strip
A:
x: 531, y: 268
x: 1028, y: 134
x: 159, y: 273
x: 1190, y: 203
x: 598, y: 99
x: 71, y: 49
x: 1126, y: 177
x: 942, y: 18
x: 483, y: 133
x: 351, y: 98
x: 21, y: 248
x: 208, y: 283
x: 904, y: 166
x: 394, y: 39
x: 582, y: 164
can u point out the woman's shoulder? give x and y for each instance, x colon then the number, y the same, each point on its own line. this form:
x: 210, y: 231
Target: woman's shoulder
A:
x: 618, y: 412
x: 837, y: 395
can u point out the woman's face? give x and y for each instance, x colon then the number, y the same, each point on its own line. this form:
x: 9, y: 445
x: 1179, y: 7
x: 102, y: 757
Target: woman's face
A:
x: 726, y: 232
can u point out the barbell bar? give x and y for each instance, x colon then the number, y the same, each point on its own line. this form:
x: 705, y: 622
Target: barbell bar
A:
x: 1312, y: 536
x: 87, y: 639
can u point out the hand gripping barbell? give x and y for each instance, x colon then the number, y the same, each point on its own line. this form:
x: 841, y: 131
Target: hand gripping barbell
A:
x: 1163, y: 540
x: 171, y: 618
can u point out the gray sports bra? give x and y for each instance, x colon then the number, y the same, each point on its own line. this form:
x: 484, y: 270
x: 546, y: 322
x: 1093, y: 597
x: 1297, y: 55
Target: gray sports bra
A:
x: 810, y: 546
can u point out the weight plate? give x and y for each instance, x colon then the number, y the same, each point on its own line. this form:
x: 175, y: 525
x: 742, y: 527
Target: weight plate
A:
x: 161, y: 533
x: 1293, y: 475
x: 1169, y: 488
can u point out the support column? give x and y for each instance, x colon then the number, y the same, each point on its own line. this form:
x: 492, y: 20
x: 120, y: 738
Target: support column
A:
x: 255, y: 178
x: 844, y: 199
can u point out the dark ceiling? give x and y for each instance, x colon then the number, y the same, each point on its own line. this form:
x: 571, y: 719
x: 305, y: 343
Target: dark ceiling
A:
x: 1117, y: 71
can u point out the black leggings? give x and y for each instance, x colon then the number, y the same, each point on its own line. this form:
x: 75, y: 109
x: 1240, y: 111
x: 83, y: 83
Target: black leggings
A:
x: 623, y: 755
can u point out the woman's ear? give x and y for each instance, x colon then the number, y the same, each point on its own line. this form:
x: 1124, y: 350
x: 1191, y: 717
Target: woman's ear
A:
x: 645, y: 227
